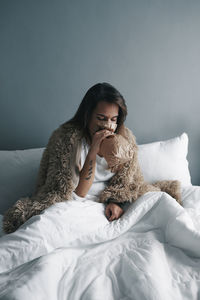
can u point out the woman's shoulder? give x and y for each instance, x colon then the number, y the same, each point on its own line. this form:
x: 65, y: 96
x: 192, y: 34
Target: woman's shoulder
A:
x: 127, y: 133
x: 65, y: 133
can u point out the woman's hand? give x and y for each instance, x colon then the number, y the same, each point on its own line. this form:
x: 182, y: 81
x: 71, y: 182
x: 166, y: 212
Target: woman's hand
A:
x: 113, y: 211
x: 97, y: 138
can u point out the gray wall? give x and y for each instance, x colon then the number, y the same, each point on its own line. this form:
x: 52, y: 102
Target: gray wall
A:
x: 51, y: 52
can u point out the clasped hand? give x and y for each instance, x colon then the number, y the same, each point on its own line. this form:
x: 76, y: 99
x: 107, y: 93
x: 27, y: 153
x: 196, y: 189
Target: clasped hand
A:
x: 113, y: 211
x: 97, y: 138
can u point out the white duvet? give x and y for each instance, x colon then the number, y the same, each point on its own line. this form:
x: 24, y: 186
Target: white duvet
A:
x: 73, y: 252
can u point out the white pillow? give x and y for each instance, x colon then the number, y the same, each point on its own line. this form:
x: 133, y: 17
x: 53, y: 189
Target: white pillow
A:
x: 18, y: 172
x: 165, y: 160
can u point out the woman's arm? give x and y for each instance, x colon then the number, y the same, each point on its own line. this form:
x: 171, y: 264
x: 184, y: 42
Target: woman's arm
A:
x: 86, y: 175
x: 88, y: 171
x: 120, y: 186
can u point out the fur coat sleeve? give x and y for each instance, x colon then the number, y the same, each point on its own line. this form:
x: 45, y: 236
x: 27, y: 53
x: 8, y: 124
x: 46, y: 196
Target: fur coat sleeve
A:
x: 56, y: 170
x: 128, y: 183
x: 57, y: 178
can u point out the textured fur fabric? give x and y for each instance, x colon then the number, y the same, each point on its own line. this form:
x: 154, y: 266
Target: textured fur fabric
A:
x: 59, y: 174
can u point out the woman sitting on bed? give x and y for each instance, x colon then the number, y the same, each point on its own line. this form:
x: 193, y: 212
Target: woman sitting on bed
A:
x: 73, y: 165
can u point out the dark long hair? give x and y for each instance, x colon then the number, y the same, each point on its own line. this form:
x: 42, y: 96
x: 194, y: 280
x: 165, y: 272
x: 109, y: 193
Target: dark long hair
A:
x: 97, y: 93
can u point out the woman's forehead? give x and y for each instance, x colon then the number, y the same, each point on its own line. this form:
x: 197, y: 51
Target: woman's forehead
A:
x: 107, y: 108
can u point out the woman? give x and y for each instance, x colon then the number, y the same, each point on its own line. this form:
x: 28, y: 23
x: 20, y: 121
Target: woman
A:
x: 72, y: 166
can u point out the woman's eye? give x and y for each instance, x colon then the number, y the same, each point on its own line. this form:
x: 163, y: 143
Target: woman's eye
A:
x: 105, y: 119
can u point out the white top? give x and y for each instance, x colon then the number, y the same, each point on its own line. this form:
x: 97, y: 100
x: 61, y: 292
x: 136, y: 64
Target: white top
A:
x: 102, y: 175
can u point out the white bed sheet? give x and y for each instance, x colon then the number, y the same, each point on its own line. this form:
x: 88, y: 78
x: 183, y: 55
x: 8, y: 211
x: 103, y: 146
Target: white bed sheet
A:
x: 72, y: 251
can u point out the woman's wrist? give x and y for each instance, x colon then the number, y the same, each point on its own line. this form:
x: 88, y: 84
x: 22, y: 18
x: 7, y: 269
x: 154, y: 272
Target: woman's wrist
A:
x: 92, y: 153
x: 113, y: 201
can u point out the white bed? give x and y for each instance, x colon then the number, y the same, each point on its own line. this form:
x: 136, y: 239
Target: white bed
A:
x: 71, y: 251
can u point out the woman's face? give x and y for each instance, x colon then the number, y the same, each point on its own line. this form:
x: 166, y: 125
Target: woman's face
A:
x: 104, y: 115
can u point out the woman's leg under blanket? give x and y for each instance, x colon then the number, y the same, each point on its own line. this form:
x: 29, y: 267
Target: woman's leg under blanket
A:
x: 58, y: 226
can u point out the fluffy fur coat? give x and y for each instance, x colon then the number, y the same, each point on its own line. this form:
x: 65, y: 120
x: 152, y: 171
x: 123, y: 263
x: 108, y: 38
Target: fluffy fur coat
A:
x: 58, y: 177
